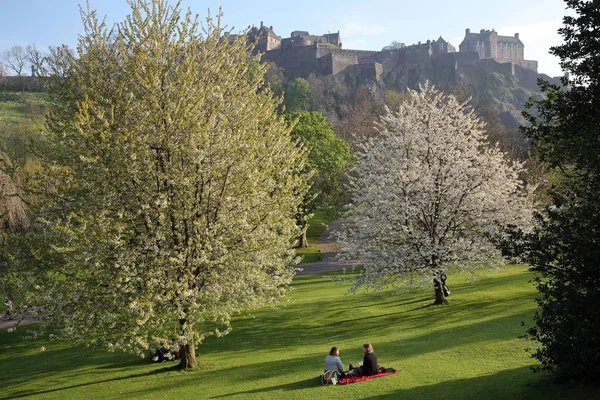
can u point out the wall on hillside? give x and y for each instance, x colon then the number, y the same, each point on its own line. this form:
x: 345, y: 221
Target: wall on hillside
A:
x: 444, y: 68
x: 366, y: 72
x: 360, y: 54
x: 340, y: 61
x: 295, y: 61
x: 466, y: 58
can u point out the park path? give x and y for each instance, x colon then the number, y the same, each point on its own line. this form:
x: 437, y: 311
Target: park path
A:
x: 9, y: 323
x: 327, y: 246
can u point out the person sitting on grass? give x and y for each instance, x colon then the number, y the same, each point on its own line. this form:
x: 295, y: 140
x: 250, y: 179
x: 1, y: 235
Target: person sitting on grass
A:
x: 10, y: 313
x: 369, y: 365
x: 334, y: 363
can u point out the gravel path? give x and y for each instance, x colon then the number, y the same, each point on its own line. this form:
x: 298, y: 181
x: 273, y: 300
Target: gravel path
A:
x: 329, y: 248
x: 9, y: 323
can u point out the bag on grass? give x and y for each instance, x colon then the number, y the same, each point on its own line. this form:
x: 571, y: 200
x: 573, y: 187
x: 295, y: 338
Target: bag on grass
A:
x: 329, y: 377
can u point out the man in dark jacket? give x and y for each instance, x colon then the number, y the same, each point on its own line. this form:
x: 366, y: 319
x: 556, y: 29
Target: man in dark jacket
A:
x: 369, y: 365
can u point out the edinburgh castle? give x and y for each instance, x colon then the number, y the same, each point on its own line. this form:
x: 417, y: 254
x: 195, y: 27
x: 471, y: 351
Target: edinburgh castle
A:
x: 303, y: 54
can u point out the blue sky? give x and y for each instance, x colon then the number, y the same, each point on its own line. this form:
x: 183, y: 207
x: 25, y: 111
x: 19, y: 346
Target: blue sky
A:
x: 364, y: 25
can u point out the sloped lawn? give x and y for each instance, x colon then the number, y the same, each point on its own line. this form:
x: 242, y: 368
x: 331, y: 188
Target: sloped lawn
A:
x: 469, y: 349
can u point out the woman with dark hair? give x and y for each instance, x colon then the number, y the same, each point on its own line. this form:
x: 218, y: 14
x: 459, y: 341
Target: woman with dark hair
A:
x: 333, y: 362
x: 369, y: 365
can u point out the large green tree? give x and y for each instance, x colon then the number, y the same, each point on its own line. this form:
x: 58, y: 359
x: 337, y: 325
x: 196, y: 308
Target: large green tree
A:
x: 328, y: 159
x: 172, y: 185
x: 565, y: 250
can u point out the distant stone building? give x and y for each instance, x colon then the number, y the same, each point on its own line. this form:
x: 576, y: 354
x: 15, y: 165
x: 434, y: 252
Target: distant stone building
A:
x: 303, y: 38
x: 302, y: 54
x: 503, y: 49
x: 267, y: 39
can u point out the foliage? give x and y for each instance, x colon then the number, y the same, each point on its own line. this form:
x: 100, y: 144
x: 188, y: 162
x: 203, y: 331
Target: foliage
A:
x: 172, y: 184
x: 316, y: 226
x: 297, y: 96
x: 14, y: 219
x: 429, y: 192
x: 13, y: 211
x: 25, y: 109
x: 328, y: 156
x: 330, y: 96
x: 395, y: 45
x: 471, y: 352
x: 274, y: 78
x: 364, y: 109
x: 16, y: 59
x: 393, y: 100
x: 566, y: 248
x: 20, y: 122
x: 328, y: 159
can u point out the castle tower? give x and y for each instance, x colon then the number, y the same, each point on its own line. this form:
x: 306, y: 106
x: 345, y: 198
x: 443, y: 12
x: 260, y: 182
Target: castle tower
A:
x: 503, y: 49
x: 490, y: 45
x: 267, y: 39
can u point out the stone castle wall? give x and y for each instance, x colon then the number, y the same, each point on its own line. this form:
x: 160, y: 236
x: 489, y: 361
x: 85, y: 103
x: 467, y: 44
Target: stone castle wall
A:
x: 466, y: 58
x: 302, y: 54
x: 295, y: 61
x: 334, y: 63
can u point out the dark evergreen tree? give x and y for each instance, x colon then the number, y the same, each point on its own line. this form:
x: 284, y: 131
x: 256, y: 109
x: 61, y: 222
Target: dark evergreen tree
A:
x: 565, y: 249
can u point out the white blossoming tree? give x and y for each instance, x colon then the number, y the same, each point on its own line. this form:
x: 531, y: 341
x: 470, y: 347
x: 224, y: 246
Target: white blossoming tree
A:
x: 172, y: 185
x: 429, y: 191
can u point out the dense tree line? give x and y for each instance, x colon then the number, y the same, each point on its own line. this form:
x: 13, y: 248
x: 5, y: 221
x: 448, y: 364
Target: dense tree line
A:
x: 565, y: 249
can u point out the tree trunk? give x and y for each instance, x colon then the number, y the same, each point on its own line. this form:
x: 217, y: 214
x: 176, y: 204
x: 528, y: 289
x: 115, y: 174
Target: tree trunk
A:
x: 439, y: 292
x: 188, y: 357
x: 439, y: 296
x: 187, y: 351
x: 302, y: 240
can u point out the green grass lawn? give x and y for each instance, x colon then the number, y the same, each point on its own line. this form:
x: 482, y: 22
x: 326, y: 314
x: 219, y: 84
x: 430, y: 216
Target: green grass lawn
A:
x: 316, y: 227
x: 17, y: 107
x: 469, y: 349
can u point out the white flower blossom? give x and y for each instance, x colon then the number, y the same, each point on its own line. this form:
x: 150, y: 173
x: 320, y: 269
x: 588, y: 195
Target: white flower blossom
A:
x: 429, y: 191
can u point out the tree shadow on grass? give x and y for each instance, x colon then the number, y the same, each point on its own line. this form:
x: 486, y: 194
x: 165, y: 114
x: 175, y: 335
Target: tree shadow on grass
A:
x: 137, y: 361
x: 21, y: 362
x: 27, y: 393
x: 518, y: 383
x: 292, y: 370
x: 299, y: 385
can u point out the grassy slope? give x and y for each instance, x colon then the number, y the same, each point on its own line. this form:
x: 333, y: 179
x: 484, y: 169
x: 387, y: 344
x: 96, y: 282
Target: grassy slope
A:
x: 467, y: 350
x: 27, y: 108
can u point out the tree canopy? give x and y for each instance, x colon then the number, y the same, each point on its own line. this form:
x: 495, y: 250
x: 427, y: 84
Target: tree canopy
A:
x: 297, y: 96
x: 172, y: 185
x: 428, y: 192
x: 565, y: 249
x: 328, y: 159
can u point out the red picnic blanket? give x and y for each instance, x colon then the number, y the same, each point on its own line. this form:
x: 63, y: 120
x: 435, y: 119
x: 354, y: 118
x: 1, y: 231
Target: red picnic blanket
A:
x: 382, y: 372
